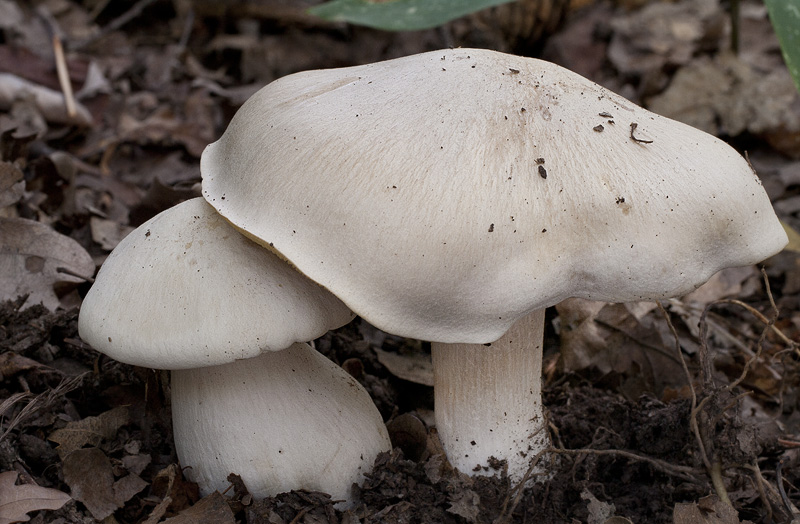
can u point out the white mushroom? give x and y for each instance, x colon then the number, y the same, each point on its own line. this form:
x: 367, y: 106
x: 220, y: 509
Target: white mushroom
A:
x: 185, y: 291
x: 449, y: 195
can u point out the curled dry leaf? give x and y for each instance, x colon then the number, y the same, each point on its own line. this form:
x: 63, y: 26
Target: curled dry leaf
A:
x: 90, y: 430
x: 17, y: 501
x: 599, y: 512
x: 710, y: 510
x: 49, y: 103
x: 90, y: 477
x: 619, y: 339
x: 465, y: 504
x: 108, y: 233
x: 11, y: 184
x: 213, y: 508
x: 416, y: 368
x: 34, y: 257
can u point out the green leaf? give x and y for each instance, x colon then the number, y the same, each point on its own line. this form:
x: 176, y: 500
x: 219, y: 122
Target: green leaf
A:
x: 785, y: 16
x: 400, y: 15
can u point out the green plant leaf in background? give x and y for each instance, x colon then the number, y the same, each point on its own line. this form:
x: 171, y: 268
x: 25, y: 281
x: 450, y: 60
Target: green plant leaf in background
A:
x: 785, y: 17
x: 400, y: 15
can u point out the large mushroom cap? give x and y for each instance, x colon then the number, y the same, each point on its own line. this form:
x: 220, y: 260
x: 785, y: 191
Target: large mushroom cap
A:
x: 444, y: 195
x: 186, y: 290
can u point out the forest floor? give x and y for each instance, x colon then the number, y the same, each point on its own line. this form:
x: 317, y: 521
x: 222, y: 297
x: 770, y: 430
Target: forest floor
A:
x: 642, y: 432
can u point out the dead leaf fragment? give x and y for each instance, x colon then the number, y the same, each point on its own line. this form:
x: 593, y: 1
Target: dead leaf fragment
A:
x: 12, y: 185
x: 17, y: 501
x: 212, y: 508
x: 108, y: 233
x: 709, y: 510
x: 416, y: 368
x: 90, y: 477
x: 465, y: 504
x: 49, y: 103
x: 89, y: 431
x: 599, y: 512
x: 34, y: 257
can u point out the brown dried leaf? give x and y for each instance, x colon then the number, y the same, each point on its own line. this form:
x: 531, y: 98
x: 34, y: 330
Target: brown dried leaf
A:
x: 12, y: 363
x: 11, y: 184
x: 108, y: 233
x: 660, y: 33
x: 90, y: 477
x: 212, y: 508
x: 90, y: 430
x: 416, y: 368
x: 726, y: 95
x: 619, y: 339
x: 17, y: 501
x: 48, y: 102
x: 194, y: 129
x: 599, y: 512
x: 34, y: 257
x: 466, y: 504
x: 709, y: 510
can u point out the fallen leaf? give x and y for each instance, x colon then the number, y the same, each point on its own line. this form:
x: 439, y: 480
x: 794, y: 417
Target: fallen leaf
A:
x: 599, y: 512
x: 416, y: 368
x: 90, y: 478
x: 794, y: 238
x: 89, y: 431
x: 108, y: 233
x: 12, y: 185
x: 49, y: 103
x: 12, y: 363
x: 465, y: 504
x: 34, y: 257
x: 713, y: 511
x: 17, y: 501
x: 212, y: 508
x: 647, y: 39
x: 622, y: 340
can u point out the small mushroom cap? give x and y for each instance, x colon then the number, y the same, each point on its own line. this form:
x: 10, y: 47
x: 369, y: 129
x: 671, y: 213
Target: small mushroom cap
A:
x: 444, y: 195
x: 187, y: 290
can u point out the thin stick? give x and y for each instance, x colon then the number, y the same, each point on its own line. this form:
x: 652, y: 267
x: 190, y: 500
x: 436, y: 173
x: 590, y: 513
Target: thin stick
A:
x: 63, y: 77
x: 781, y: 489
x: 760, y: 482
x: 756, y: 313
x: 683, y: 472
x: 761, y: 338
x: 695, y: 407
x: 115, y: 24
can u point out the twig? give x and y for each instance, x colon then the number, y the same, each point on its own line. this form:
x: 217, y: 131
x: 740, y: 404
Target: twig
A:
x: 683, y: 472
x: 40, y: 401
x: 695, y: 407
x: 756, y: 313
x: 761, y: 338
x: 63, y: 76
x: 681, y: 359
x: 520, y: 487
x: 718, y: 483
x: 115, y: 24
x: 62, y: 69
x: 781, y: 489
x: 760, y: 482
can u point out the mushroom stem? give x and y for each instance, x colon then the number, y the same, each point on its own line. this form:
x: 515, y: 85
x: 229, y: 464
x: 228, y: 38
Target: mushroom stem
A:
x: 488, y: 399
x: 255, y: 418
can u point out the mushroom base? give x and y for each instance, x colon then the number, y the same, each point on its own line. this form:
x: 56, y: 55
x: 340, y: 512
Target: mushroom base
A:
x: 489, y: 402
x: 283, y: 421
